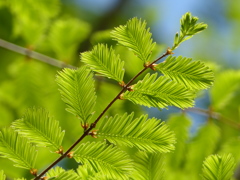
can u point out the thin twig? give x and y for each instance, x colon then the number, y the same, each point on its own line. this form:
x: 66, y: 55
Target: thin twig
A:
x: 214, y: 115
x: 93, y: 125
x: 34, y: 55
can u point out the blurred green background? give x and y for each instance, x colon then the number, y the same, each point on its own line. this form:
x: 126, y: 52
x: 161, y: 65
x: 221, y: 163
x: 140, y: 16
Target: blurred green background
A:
x: 64, y: 29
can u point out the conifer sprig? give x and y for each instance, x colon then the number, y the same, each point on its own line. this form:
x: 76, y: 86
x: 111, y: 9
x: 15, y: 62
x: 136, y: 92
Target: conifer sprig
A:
x: 40, y: 128
x: 93, y: 125
x: 193, y: 75
x: 135, y: 37
x: 145, y: 134
x: 78, y: 92
x: 217, y: 167
x: 159, y: 92
x: 189, y: 27
x: 17, y: 149
x: 105, y: 62
x: 108, y: 159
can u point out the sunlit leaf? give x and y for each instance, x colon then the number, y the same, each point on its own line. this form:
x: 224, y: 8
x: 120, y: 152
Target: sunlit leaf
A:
x: 145, y: 134
x: 78, y: 92
x: 17, y: 149
x: 217, y: 167
x: 40, y: 128
x: 192, y: 74
x: 135, y: 37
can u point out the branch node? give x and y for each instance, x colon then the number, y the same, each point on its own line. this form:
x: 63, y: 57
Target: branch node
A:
x: 121, y: 97
x: 44, y: 178
x: 93, y: 133
x: 146, y: 65
x: 60, y: 150
x: 122, y: 83
x: 85, y: 126
x: 93, y: 125
x: 33, y: 172
x: 169, y: 51
x: 70, y: 154
x: 130, y: 88
x: 152, y: 66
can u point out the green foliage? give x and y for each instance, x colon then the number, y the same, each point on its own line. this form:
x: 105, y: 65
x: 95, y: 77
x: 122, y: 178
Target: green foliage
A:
x: 107, y: 159
x: 217, y: 167
x: 55, y: 172
x: 77, y: 90
x: 150, y: 135
x: 40, y: 11
x: 40, y: 128
x: 189, y: 27
x: 223, y: 96
x: 75, y: 32
x: 83, y: 172
x: 105, y: 62
x: 148, y: 166
x: 180, y: 125
x: 159, y: 92
x: 135, y: 37
x: 202, y: 145
x: 145, y: 140
x: 17, y: 149
x: 192, y: 74
x: 2, y: 175
x: 88, y: 173
x: 68, y: 175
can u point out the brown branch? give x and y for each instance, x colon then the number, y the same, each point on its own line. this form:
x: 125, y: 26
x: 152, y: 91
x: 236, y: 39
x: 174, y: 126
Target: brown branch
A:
x: 34, y: 55
x: 214, y: 115
x: 93, y: 125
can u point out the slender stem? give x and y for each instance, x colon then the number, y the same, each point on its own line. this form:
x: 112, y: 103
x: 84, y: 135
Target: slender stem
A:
x: 93, y: 125
x: 215, y: 115
x: 34, y: 55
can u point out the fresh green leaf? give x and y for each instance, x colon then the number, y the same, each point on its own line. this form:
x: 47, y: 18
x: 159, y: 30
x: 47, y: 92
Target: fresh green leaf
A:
x: 17, y: 149
x: 2, y: 175
x: 135, y: 37
x: 88, y: 173
x: 40, y: 128
x: 77, y: 90
x: 108, y: 159
x: 217, y: 167
x: 145, y: 134
x: 105, y: 62
x: 189, y: 27
x: 148, y: 166
x: 67, y: 175
x: 192, y: 74
x: 55, y: 171
x: 159, y: 92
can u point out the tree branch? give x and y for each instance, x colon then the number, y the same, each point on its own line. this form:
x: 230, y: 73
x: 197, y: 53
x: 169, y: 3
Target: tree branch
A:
x: 214, y: 115
x: 34, y: 55
x: 93, y: 125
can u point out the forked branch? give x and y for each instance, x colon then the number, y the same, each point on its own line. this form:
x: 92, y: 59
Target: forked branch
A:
x: 93, y: 125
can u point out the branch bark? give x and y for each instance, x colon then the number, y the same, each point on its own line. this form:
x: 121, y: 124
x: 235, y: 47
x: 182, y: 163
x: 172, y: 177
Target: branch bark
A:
x: 93, y: 125
x: 34, y: 55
